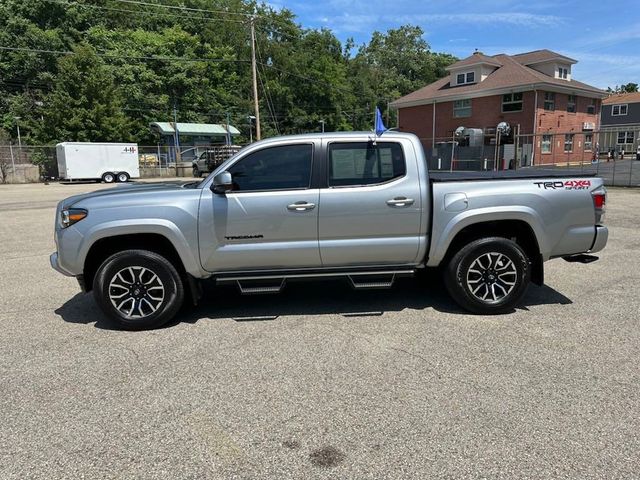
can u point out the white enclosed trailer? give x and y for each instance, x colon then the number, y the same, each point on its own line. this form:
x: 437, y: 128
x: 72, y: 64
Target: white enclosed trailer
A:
x: 109, y: 162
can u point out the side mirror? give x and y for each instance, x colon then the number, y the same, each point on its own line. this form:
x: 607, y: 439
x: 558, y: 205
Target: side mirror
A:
x: 222, y: 183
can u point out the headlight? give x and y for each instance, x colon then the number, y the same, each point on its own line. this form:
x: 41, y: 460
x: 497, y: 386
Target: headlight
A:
x: 70, y: 216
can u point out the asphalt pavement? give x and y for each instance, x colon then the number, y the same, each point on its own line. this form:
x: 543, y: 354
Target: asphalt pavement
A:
x: 320, y: 381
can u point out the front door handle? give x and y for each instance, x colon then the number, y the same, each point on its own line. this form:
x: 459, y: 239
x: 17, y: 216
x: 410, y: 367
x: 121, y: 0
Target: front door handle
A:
x: 301, y: 206
x: 400, y: 202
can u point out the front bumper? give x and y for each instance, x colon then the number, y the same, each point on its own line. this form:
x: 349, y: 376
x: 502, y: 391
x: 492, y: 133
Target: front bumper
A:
x: 602, y: 235
x: 53, y: 259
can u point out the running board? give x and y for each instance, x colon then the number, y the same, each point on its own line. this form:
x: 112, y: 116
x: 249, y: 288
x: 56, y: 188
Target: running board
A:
x: 383, y: 281
x: 252, y: 284
x: 580, y: 258
x: 249, y: 287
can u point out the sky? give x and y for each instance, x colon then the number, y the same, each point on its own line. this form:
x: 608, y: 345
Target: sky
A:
x: 603, y: 36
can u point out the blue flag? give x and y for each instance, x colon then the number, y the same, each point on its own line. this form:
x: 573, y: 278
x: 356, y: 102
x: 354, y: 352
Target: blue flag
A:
x: 380, y: 128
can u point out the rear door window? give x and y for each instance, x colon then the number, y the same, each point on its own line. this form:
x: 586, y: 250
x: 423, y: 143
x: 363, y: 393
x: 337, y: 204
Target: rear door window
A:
x: 365, y: 163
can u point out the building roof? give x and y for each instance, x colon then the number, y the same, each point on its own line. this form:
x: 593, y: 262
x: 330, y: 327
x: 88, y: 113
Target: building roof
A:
x: 632, y: 97
x: 196, y: 129
x: 512, y: 75
x: 540, y: 56
x: 478, y: 58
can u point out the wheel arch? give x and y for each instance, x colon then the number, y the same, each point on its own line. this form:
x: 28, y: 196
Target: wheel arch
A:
x: 104, y: 247
x: 517, y: 230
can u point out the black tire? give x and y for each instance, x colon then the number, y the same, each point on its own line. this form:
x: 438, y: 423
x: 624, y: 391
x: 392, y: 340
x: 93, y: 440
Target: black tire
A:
x: 493, y: 282
x: 122, y: 177
x: 108, y: 177
x: 126, y: 271
x: 196, y: 172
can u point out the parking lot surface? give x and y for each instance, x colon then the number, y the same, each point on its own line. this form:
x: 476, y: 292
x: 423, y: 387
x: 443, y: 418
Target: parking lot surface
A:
x: 320, y: 381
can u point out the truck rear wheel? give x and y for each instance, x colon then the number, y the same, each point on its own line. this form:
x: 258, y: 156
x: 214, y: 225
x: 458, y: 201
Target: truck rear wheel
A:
x: 138, y: 289
x: 123, y: 177
x: 108, y: 177
x: 488, y: 276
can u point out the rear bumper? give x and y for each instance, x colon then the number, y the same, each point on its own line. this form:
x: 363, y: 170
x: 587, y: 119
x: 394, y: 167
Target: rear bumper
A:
x: 602, y: 235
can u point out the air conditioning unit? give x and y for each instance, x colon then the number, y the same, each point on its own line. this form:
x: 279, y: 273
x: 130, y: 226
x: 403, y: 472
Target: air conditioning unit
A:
x: 588, y: 126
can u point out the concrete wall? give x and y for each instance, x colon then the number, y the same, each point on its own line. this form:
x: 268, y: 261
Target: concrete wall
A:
x: 24, y: 173
x: 184, y: 169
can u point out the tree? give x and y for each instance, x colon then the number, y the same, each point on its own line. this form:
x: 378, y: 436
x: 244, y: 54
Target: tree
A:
x: 84, y: 104
x: 624, y: 88
x: 396, y: 63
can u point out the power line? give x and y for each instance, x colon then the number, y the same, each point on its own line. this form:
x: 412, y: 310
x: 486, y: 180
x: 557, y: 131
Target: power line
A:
x: 188, y: 9
x: 144, y: 13
x: 125, y: 57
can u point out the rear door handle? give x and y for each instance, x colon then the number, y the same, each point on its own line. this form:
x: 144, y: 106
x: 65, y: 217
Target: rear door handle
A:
x: 301, y: 206
x: 400, y: 202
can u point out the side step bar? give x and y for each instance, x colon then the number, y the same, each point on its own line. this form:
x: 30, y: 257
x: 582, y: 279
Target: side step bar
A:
x: 249, y: 284
x: 580, y: 258
x: 380, y: 281
x: 258, y: 288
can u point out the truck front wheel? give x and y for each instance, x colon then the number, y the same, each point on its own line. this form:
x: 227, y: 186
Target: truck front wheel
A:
x: 488, y: 276
x: 138, y: 289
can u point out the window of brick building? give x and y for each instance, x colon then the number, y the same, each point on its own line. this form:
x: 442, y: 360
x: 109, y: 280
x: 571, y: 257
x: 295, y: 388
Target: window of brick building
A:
x: 568, y: 142
x: 591, y: 108
x: 588, y: 142
x: 462, y: 108
x: 547, y: 142
x: 549, y: 101
x: 512, y: 102
x: 571, y: 103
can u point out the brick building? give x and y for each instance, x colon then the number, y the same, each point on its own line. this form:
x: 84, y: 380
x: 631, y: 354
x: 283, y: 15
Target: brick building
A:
x: 552, y: 117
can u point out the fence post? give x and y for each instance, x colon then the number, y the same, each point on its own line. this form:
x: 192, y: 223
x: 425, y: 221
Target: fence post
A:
x: 613, y: 179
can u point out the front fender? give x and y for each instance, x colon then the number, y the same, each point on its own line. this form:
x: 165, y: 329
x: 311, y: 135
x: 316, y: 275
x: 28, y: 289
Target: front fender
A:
x: 136, y: 226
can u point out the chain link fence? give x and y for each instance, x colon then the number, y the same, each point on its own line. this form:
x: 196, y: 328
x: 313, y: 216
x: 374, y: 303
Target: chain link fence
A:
x: 28, y: 163
x: 614, y: 156
x: 596, y: 152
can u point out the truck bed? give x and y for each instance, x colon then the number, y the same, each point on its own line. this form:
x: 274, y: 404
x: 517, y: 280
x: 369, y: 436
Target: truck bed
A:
x: 522, y: 174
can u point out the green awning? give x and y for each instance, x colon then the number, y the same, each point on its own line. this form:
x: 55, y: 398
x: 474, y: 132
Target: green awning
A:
x: 194, y: 129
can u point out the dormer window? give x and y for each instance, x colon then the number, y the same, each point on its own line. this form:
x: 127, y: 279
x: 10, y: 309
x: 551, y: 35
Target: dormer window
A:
x: 464, y: 78
x: 563, y: 72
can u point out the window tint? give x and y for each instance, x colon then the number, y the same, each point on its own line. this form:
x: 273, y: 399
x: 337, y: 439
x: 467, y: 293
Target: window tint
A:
x: 361, y: 163
x: 275, y: 168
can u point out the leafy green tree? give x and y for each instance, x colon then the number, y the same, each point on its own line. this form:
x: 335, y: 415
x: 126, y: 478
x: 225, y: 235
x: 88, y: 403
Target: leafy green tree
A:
x: 396, y: 63
x: 84, y: 104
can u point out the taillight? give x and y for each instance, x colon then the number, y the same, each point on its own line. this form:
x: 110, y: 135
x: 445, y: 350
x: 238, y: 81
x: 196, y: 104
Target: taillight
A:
x: 599, y: 203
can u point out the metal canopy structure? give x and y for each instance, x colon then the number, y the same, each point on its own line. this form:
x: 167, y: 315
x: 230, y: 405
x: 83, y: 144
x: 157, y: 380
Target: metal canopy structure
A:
x: 194, y: 129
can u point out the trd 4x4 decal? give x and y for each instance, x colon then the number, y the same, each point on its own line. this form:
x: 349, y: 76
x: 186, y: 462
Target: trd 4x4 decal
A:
x: 566, y: 185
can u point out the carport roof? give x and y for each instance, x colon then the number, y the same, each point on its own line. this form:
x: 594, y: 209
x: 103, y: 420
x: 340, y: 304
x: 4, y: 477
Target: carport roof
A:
x: 196, y: 129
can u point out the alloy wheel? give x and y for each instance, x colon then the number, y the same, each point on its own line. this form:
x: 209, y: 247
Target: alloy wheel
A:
x: 136, y: 292
x: 491, y: 277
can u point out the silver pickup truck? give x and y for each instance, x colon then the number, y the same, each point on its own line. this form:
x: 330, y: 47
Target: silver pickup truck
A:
x: 324, y: 206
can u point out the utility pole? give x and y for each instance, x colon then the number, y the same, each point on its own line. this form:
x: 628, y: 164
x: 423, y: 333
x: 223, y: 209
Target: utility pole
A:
x: 176, y: 137
x: 255, y: 78
x: 228, y: 131
x: 19, y: 139
x: 322, y: 123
